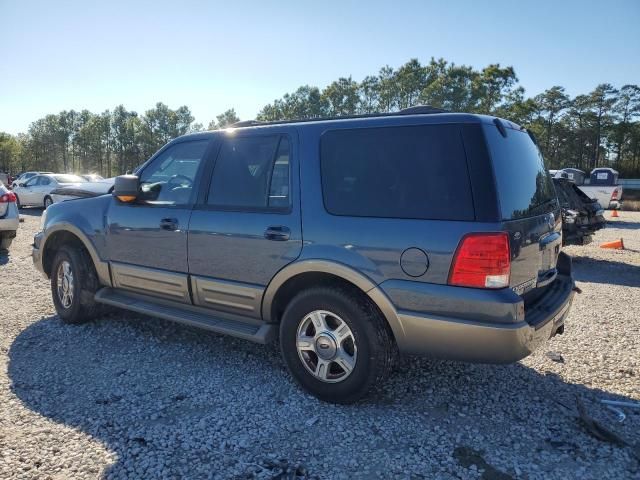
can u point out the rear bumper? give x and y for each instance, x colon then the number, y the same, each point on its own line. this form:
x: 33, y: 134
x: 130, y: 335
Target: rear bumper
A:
x: 10, y: 220
x: 488, y: 326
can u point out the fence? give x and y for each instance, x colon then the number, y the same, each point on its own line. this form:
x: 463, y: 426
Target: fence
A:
x: 632, y: 183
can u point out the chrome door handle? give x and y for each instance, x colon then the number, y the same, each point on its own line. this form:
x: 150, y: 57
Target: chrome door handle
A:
x: 169, y: 224
x: 277, y: 233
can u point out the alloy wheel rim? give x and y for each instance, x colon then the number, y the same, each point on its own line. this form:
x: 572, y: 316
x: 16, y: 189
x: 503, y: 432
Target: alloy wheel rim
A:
x: 65, y: 284
x: 326, y: 346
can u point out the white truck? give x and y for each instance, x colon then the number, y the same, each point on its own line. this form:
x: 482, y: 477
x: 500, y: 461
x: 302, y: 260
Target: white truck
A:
x: 603, y: 185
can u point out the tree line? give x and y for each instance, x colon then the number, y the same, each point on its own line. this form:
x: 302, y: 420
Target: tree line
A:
x: 599, y: 128
x: 108, y: 143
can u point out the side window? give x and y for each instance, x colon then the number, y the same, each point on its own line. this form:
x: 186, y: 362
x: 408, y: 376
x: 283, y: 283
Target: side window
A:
x: 251, y: 172
x: 32, y: 182
x: 396, y: 172
x: 171, y: 177
x: 279, y: 188
x: 44, y: 181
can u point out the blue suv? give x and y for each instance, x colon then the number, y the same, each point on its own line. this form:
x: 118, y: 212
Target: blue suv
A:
x: 350, y: 240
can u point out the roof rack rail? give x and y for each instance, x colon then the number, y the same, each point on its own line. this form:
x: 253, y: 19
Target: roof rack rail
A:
x: 421, y: 110
x: 417, y: 110
x: 245, y: 123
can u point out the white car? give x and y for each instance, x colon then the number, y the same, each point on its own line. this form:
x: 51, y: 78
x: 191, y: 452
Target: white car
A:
x: 85, y: 190
x: 36, y: 192
x: 93, y: 177
x: 24, y: 177
x: 9, y: 218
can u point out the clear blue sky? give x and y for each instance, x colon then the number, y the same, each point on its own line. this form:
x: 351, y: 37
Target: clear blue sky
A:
x: 60, y: 55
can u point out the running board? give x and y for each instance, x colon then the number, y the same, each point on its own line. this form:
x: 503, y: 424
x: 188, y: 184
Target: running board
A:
x: 189, y: 315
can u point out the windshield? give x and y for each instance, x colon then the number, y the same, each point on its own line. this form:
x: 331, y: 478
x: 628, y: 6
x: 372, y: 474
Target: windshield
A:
x: 525, y: 189
x: 69, y: 179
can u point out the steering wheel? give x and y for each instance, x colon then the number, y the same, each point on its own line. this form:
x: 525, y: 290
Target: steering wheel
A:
x: 173, y: 184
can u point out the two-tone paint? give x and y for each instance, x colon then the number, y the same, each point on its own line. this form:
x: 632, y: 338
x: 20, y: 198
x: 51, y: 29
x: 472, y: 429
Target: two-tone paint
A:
x: 224, y: 262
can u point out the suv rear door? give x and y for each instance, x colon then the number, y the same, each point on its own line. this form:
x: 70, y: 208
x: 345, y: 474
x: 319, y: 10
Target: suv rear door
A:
x: 246, y: 225
x: 528, y: 207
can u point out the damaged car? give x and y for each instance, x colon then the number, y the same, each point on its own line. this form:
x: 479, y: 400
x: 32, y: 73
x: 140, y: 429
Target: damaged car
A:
x: 581, y: 215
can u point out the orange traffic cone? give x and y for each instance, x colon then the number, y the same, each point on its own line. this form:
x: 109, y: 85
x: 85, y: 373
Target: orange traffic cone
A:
x: 615, y: 214
x: 616, y: 244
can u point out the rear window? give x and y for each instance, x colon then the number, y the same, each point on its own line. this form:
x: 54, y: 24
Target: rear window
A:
x: 604, y: 177
x: 525, y: 189
x: 396, y: 172
x: 69, y: 179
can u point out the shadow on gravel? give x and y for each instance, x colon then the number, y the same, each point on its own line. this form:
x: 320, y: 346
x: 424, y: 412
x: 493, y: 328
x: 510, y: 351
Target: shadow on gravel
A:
x: 592, y: 270
x: 175, y: 402
x: 31, y: 211
x: 624, y: 225
x: 4, y: 257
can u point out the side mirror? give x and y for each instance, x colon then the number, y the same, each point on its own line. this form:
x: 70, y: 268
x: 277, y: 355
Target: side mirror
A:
x: 126, y: 188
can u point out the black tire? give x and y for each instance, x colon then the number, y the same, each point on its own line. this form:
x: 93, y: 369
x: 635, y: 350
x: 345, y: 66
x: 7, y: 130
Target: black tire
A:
x: 18, y: 202
x: 82, y: 307
x: 376, y: 349
x: 5, y: 242
x: 48, y: 201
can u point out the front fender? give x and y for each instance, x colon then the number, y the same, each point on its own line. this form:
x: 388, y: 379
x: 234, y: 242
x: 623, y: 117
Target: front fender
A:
x: 86, y: 220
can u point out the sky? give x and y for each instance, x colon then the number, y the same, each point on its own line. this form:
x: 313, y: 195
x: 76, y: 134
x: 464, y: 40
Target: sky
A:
x: 212, y: 56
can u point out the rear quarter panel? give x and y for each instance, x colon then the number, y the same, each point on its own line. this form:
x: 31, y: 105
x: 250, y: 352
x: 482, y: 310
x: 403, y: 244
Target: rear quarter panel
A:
x: 373, y: 246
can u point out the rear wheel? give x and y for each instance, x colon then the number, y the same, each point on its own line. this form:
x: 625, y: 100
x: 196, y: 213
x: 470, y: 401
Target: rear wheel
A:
x: 336, y: 344
x: 47, y: 202
x: 18, y: 202
x: 6, y: 239
x: 73, y: 285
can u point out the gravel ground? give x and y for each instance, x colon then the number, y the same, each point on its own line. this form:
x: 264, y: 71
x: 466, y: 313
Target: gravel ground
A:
x: 129, y: 396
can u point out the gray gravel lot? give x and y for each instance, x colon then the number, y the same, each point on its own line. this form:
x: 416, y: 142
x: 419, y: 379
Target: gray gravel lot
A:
x: 135, y: 397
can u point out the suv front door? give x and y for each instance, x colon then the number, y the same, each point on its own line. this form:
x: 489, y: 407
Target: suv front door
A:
x: 247, y: 225
x: 147, y: 240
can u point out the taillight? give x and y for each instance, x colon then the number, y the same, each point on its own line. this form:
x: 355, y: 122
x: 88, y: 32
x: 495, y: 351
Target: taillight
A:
x: 482, y: 260
x: 8, y: 197
x: 614, y: 194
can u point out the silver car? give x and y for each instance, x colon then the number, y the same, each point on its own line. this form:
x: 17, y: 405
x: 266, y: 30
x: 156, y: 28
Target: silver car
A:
x: 9, y: 218
x: 36, y: 192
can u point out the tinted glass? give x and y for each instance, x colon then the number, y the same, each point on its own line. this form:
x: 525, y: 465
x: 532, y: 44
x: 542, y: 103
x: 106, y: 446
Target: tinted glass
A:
x: 44, y: 181
x: 170, y: 178
x: 279, y: 188
x: 400, y: 172
x: 243, y: 170
x: 525, y: 189
x: 603, y: 177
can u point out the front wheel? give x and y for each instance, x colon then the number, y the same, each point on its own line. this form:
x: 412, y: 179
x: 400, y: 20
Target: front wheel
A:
x: 336, y: 343
x: 73, y: 285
